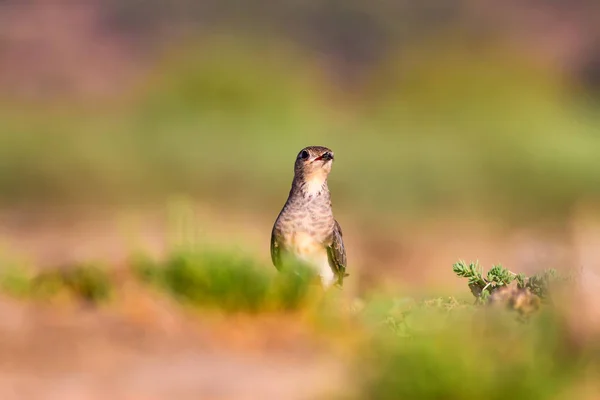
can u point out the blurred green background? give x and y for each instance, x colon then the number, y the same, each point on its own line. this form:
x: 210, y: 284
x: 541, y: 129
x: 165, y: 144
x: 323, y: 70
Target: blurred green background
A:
x: 436, y: 110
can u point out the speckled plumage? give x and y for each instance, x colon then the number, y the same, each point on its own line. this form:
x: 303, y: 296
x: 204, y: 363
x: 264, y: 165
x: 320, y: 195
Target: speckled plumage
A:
x: 305, y: 227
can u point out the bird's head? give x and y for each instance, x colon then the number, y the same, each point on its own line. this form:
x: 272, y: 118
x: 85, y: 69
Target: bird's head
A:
x: 313, y: 164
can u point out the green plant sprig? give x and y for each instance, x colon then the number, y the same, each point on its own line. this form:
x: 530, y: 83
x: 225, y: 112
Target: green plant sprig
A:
x: 498, y: 277
x: 483, y: 286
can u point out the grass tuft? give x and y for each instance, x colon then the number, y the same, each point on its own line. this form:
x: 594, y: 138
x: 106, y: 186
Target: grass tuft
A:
x: 227, y: 282
x: 85, y: 282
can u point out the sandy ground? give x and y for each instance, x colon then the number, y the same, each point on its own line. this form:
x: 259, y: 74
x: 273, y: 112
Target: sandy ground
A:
x: 65, y: 353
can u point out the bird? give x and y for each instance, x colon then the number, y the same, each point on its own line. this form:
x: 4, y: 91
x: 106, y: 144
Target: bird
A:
x: 305, y: 229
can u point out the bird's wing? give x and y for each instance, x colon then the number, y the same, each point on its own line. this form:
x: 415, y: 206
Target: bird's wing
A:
x: 337, y: 254
x: 275, y: 251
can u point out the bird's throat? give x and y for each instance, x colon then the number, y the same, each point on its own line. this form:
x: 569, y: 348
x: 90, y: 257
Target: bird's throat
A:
x: 313, y: 184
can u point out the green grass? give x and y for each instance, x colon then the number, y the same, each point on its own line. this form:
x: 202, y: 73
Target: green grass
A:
x: 84, y: 282
x: 466, y: 354
x: 15, y: 280
x: 207, y: 280
x: 226, y: 282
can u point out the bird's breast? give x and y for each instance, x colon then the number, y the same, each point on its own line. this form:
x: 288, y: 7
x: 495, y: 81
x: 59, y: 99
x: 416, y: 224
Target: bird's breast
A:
x: 305, y: 224
x: 304, y: 244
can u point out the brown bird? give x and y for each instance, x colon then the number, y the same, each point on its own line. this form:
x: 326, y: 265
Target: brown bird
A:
x: 305, y: 228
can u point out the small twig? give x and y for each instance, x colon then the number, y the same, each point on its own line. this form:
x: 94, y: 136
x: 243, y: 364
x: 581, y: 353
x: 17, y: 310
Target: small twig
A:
x: 485, y: 287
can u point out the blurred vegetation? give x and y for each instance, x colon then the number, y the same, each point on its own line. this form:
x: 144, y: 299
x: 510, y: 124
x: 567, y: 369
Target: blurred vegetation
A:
x: 208, y: 280
x: 462, y: 354
x: 83, y: 282
x: 226, y: 282
x: 499, y: 278
x: 444, y: 348
x: 444, y: 127
x: 428, y: 348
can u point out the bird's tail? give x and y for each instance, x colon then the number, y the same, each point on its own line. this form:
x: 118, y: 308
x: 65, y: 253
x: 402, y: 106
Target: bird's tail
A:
x: 340, y: 280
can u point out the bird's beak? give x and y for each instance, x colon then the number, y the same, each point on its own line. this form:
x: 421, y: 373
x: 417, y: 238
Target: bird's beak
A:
x: 325, y: 156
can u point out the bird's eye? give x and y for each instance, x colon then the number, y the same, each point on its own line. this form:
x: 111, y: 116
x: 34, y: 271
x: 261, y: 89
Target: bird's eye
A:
x: 304, y: 154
